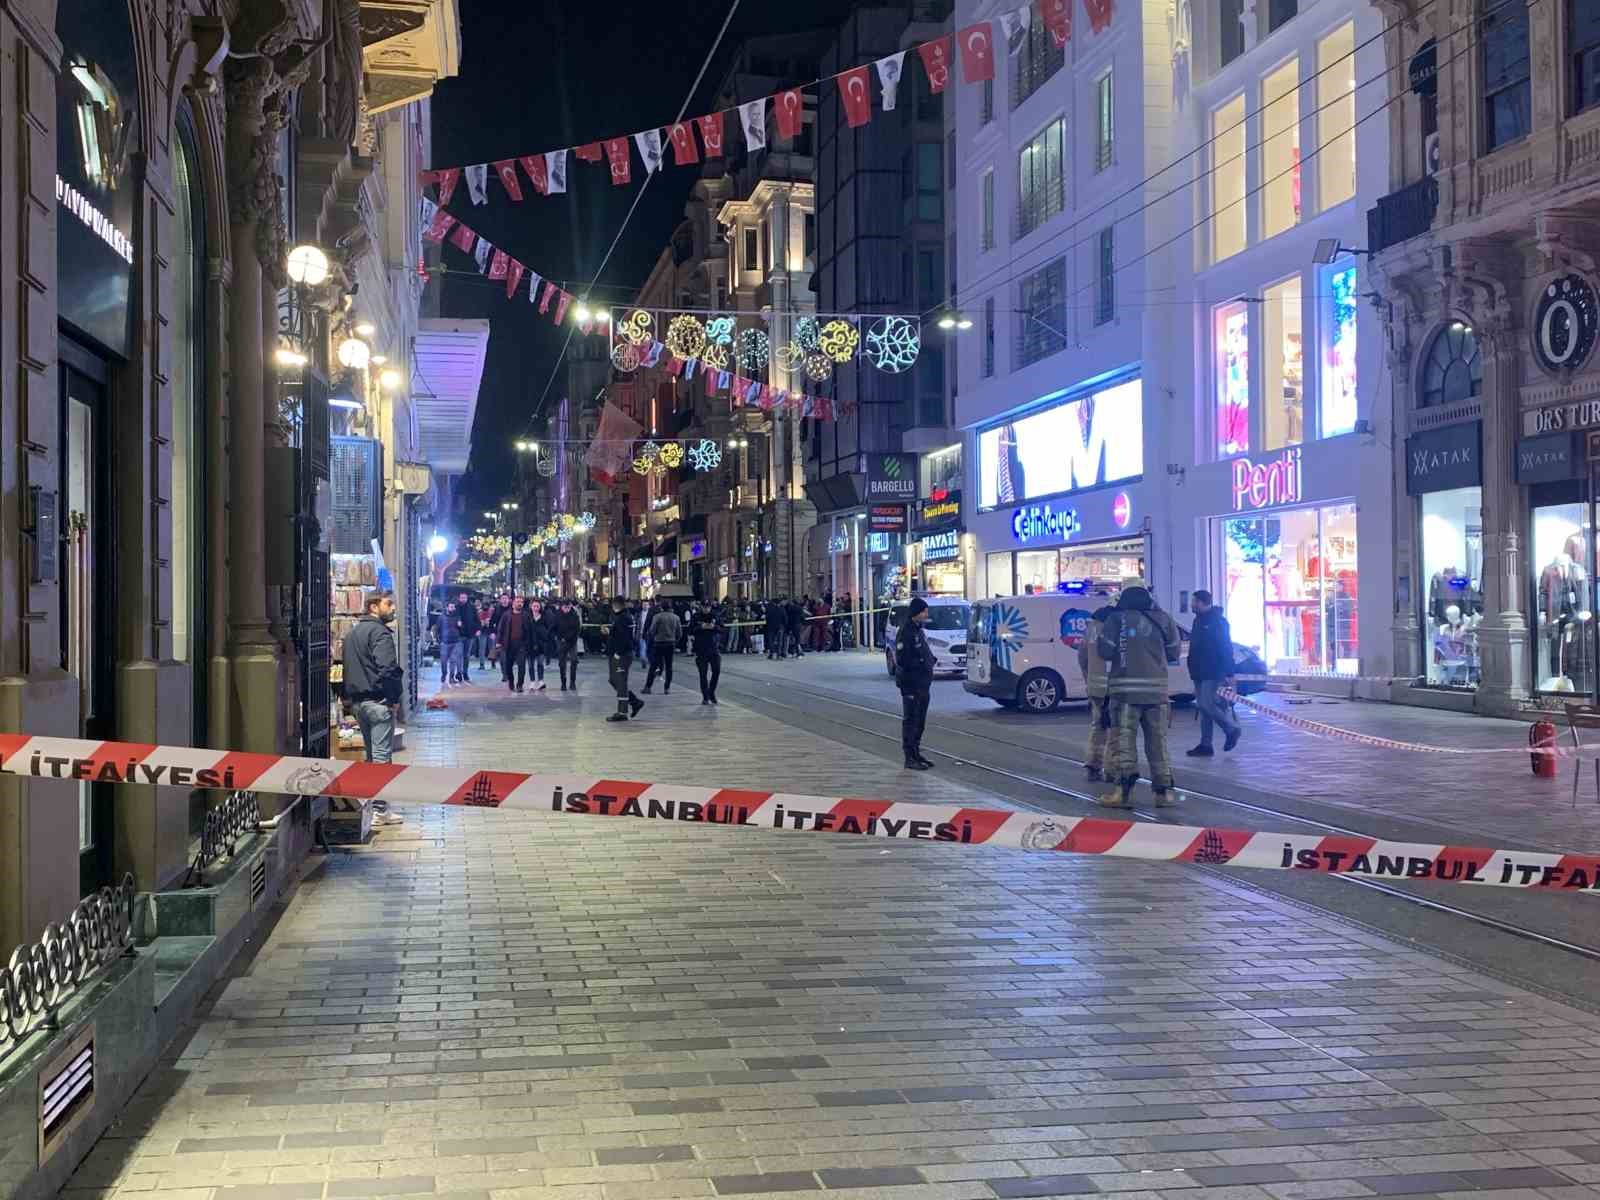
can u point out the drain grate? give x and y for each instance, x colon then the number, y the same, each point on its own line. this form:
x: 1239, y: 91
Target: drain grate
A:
x: 258, y: 880
x: 66, y: 1092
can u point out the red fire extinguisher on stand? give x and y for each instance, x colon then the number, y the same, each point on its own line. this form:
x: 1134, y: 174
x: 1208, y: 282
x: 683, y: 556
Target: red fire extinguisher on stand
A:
x: 1542, y: 737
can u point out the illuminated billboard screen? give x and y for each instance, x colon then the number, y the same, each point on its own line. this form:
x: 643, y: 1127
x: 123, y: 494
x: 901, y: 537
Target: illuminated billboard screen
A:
x: 1091, y: 439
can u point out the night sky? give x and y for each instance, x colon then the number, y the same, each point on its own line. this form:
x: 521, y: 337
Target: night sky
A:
x: 544, y: 75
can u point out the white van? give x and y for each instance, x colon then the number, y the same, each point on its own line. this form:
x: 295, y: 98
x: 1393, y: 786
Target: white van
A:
x: 1022, y: 652
x: 946, y: 631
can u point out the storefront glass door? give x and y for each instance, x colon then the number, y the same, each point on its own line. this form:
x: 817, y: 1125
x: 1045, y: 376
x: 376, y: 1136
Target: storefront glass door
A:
x: 1289, y: 587
x: 1563, y: 604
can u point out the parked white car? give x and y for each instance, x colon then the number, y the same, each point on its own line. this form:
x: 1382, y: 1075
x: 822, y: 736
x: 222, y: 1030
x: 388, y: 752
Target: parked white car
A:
x: 1022, y: 651
x: 946, y: 630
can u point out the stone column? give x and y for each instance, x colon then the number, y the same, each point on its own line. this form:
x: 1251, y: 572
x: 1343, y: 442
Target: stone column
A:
x: 1503, y: 636
x: 254, y: 709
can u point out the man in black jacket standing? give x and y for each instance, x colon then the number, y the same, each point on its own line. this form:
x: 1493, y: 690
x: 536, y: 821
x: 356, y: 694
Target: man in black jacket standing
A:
x: 795, y: 614
x: 1211, y: 667
x: 619, y: 649
x: 569, y: 625
x: 777, y: 628
x: 706, y: 633
x: 913, y: 660
x: 373, y: 684
x: 467, y: 626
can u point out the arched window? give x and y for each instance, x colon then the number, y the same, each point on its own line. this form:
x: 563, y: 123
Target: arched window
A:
x: 1453, y: 369
x: 1583, y: 22
x: 189, y: 333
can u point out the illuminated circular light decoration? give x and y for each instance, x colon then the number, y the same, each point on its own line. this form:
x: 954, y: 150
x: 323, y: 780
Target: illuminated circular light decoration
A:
x: 719, y: 331
x: 893, y: 344
x: 819, y: 367
x: 807, y: 335
x: 545, y: 463
x: 637, y: 327
x: 307, y: 265
x: 1121, y: 510
x: 647, y: 459
x: 719, y: 357
x: 354, y: 353
x: 705, y: 455
x: 625, y: 357
x: 672, y: 455
x: 790, y: 356
x: 755, y: 349
x: 686, y: 337
x: 838, y: 340
x: 586, y: 521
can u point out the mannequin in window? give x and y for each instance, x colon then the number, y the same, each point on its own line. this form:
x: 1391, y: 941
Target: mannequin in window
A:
x: 1566, y: 619
x: 1455, y: 648
x: 1452, y: 587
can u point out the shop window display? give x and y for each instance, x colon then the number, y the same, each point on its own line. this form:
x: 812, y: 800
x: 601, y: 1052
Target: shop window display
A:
x: 1037, y: 571
x: 998, y: 566
x: 1283, y: 413
x: 1452, y: 562
x: 1232, y: 350
x: 1563, y: 619
x: 1291, y: 586
x: 1338, y: 388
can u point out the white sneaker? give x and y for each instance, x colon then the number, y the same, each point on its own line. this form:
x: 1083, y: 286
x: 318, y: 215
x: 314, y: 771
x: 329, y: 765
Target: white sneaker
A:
x: 541, y: 685
x: 387, y: 818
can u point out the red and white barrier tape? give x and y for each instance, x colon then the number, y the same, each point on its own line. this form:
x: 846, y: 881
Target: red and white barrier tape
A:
x: 1382, y: 743
x: 123, y: 762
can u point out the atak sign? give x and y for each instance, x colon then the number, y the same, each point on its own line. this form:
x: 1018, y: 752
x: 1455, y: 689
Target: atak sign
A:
x: 1039, y: 522
x: 891, y: 477
x: 1441, y: 459
x: 1267, y: 485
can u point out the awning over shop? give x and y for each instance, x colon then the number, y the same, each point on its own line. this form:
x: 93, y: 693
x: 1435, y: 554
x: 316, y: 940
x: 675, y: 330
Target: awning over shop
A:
x: 446, y: 372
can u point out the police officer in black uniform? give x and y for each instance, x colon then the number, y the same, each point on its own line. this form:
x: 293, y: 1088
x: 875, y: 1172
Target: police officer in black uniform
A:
x: 619, y: 650
x: 913, y: 660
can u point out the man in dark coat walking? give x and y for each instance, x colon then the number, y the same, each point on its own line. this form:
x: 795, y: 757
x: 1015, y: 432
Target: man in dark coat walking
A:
x: 619, y: 650
x: 1211, y: 668
x: 913, y: 660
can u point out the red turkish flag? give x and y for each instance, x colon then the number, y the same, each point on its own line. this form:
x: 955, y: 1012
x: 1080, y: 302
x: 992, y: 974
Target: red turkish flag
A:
x: 711, y: 133
x: 855, y: 93
x: 506, y: 168
x: 463, y: 238
x: 789, y: 108
x: 499, y: 264
x: 823, y: 409
x: 1057, y: 17
x: 538, y: 171
x: 589, y: 152
x: 561, y: 306
x: 684, y: 151
x: 977, y: 52
x: 617, y: 153
x: 513, y: 278
x: 448, y: 178
x: 1099, y: 14
x: 439, y: 226
x: 936, y: 62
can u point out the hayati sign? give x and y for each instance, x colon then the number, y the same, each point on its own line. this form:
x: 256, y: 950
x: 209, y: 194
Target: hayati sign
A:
x: 891, y: 477
x: 1266, y: 485
x: 1038, y: 521
x: 944, y: 546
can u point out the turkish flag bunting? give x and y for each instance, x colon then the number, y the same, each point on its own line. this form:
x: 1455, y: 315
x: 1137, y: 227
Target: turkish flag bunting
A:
x: 499, y: 264
x: 684, y: 151
x: 439, y: 226
x: 561, y: 306
x: 1099, y: 14
x: 711, y: 133
x: 544, y: 300
x: 823, y: 410
x: 589, y: 152
x: 1057, y: 17
x: 463, y: 238
x: 506, y: 168
x: 790, y: 109
x: 936, y: 62
x: 448, y: 178
x: 977, y: 52
x: 513, y: 278
x: 538, y: 172
x: 674, y: 365
x: 855, y: 93
x: 617, y: 153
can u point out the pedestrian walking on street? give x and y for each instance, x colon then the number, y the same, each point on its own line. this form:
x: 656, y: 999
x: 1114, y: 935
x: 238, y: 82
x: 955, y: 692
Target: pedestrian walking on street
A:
x: 1211, y: 668
x: 706, y: 634
x: 450, y: 648
x: 663, y: 633
x: 374, y: 682
x: 485, y: 640
x: 913, y: 660
x: 569, y: 626
x: 467, y: 623
x: 1095, y: 671
x: 796, y: 621
x: 540, y: 644
x: 516, y: 644
x: 777, y: 631
x: 619, y: 651
x: 1139, y: 641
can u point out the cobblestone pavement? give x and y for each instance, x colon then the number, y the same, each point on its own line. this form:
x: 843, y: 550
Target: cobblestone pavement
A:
x: 520, y: 1006
x: 1493, y: 796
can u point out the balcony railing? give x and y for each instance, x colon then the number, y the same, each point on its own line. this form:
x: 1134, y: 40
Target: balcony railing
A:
x: 1036, y: 206
x: 1032, y: 65
x: 1403, y: 215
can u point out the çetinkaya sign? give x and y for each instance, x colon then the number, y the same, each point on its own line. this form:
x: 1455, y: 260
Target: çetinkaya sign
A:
x: 1440, y: 459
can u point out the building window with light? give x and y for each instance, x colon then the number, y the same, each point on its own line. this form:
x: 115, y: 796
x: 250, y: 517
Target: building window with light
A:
x: 1336, y: 389
x: 1041, y: 317
x: 1231, y: 351
x: 1280, y: 149
x: 1507, y: 93
x: 1452, y: 372
x: 986, y: 209
x: 1583, y: 35
x: 1282, y: 366
x: 1228, y: 233
x: 1336, y: 117
x: 1041, y: 188
x: 1034, y: 62
x: 1104, y: 122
